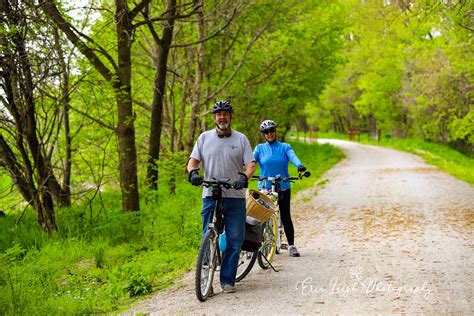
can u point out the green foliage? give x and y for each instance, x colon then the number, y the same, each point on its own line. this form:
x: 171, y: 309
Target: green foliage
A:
x: 407, y: 72
x: 99, y: 252
x: 462, y: 128
x: 7, y: 196
x: 13, y: 254
x: 290, y: 64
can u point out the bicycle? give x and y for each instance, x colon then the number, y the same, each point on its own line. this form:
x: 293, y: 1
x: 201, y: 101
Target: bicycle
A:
x: 273, y: 194
x: 272, y: 231
x: 209, y: 257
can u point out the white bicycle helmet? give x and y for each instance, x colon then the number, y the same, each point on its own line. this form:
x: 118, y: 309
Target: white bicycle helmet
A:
x: 266, y: 125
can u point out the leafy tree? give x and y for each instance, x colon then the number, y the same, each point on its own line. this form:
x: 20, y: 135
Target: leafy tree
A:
x: 407, y: 71
x: 119, y: 76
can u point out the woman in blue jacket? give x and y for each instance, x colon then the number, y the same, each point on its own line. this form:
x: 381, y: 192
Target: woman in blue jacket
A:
x: 273, y: 158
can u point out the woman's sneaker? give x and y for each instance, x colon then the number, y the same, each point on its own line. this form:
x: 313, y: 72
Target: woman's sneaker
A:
x: 293, y: 251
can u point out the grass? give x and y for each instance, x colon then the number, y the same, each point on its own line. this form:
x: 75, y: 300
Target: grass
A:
x: 98, y: 265
x: 102, y: 259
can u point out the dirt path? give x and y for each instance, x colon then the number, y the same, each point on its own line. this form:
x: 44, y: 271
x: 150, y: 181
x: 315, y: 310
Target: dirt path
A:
x: 386, y: 234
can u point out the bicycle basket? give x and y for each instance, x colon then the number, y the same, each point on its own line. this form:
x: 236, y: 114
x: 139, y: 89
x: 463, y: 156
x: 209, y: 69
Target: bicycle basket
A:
x: 259, y: 205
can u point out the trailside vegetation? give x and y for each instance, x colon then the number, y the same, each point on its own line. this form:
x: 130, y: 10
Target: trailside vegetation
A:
x: 101, y: 259
x: 407, y: 71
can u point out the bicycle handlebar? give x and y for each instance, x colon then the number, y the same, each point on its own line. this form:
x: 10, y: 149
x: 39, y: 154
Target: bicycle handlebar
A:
x: 221, y: 183
x: 278, y: 178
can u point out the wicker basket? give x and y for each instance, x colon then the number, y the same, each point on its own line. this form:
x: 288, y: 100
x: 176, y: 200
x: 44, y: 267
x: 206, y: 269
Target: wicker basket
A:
x: 257, y: 210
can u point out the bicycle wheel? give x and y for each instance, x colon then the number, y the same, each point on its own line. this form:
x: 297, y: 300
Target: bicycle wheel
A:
x: 246, y: 262
x: 206, y: 265
x: 267, y: 250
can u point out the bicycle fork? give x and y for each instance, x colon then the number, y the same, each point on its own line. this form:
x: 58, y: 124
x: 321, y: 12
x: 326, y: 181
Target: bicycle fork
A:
x: 214, y: 251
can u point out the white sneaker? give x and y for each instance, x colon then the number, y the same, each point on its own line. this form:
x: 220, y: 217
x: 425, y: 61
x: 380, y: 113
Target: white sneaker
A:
x: 293, y: 251
x: 227, y: 288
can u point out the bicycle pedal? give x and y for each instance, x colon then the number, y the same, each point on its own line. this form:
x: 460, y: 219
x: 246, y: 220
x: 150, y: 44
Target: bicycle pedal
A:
x: 284, y: 246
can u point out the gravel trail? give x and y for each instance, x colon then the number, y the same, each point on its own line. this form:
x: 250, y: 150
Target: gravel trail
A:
x: 382, y: 233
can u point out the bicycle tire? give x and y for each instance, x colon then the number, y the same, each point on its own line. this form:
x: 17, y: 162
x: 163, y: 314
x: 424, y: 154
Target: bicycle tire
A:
x: 246, y: 262
x: 268, y: 248
x: 206, y: 266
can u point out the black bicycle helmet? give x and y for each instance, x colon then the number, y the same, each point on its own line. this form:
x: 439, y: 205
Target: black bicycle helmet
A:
x: 266, y: 125
x: 222, y: 105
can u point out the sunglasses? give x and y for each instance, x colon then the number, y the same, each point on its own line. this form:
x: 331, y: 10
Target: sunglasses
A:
x: 268, y: 131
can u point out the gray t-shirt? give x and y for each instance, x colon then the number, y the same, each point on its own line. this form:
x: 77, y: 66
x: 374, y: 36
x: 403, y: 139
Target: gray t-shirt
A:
x: 223, y: 158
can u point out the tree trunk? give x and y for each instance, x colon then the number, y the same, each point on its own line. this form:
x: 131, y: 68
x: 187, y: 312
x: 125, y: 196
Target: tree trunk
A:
x: 156, y: 123
x: 182, y: 114
x: 195, y: 98
x: 120, y: 80
x: 45, y: 207
x: 9, y: 162
x: 65, y: 193
x: 125, y: 124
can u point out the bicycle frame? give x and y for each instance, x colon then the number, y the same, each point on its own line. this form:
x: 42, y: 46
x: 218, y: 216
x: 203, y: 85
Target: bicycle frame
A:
x: 273, y: 194
x: 209, y: 257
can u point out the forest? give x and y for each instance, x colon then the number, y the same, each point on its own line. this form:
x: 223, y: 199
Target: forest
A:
x: 102, y: 101
x: 114, y: 94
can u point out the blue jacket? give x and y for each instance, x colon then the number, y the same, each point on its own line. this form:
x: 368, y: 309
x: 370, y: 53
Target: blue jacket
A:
x: 273, y: 159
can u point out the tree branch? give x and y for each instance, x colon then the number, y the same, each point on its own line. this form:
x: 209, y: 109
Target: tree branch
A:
x: 163, y: 17
x: 242, y: 59
x: 143, y: 105
x: 110, y: 127
x: 234, y: 13
x: 138, y: 8
x: 52, y: 11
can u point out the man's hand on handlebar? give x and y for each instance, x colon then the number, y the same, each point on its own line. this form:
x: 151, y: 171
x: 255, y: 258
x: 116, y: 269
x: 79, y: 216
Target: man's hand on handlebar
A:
x: 243, y: 182
x: 195, y: 178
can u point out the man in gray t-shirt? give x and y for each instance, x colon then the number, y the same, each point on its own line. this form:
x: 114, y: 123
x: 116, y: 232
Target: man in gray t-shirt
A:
x: 223, y: 153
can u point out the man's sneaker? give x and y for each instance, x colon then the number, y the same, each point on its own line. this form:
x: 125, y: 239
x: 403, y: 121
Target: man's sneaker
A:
x: 293, y: 251
x: 227, y: 288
